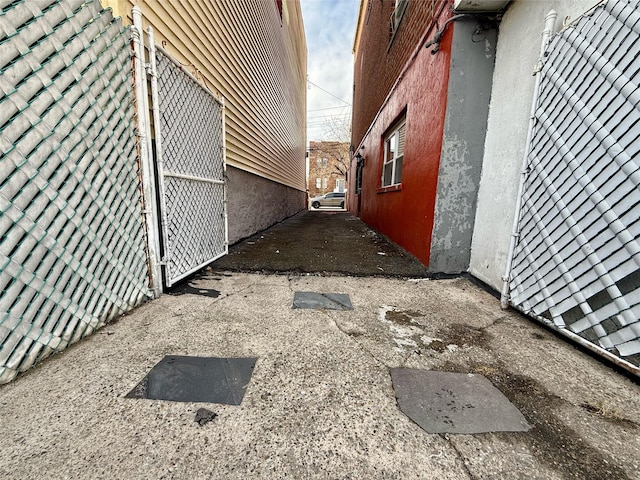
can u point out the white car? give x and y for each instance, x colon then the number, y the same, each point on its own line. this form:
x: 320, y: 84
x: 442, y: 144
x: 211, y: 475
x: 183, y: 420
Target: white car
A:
x: 333, y: 199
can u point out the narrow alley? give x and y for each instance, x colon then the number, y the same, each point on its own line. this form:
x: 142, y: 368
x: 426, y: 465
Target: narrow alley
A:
x: 320, y: 239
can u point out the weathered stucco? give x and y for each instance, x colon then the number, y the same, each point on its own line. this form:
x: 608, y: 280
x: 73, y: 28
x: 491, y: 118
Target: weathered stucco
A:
x: 513, y: 82
x: 468, y: 93
x: 255, y: 203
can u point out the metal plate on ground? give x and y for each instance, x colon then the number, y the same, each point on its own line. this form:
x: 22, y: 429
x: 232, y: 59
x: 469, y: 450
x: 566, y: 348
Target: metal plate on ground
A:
x: 322, y: 301
x: 443, y: 402
x: 197, y: 379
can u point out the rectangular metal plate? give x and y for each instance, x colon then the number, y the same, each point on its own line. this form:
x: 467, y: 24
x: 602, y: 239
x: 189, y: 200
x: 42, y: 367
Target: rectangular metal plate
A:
x: 443, y: 402
x: 197, y: 379
x: 322, y: 301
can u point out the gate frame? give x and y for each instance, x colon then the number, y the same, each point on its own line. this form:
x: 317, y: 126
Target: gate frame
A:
x: 147, y: 173
x: 159, y: 163
x: 505, y: 297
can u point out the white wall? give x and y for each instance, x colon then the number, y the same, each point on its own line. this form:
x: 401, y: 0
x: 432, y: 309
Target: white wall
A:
x: 518, y: 49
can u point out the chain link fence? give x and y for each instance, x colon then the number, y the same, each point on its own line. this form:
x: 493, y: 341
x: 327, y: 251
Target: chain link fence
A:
x: 72, y: 242
x: 191, y: 167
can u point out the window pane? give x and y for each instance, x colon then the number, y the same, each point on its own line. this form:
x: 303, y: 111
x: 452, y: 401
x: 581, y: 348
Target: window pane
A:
x: 386, y: 174
x: 324, y: 182
x: 390, y: 148
x: 397, y: 176
x: 318, y: 184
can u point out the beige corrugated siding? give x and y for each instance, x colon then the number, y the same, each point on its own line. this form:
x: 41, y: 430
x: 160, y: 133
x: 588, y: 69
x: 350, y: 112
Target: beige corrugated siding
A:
x: 243, y: 51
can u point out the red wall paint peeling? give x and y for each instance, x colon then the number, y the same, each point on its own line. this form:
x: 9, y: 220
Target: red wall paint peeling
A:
x: 406, y: 216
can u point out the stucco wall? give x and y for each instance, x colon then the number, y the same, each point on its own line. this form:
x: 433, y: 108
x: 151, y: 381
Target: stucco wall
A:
x: 470, y: 74
x: 519, y: 39
x: 256, y: 203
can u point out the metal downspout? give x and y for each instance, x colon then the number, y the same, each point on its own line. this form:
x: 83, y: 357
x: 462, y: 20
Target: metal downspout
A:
x: 549, y: 24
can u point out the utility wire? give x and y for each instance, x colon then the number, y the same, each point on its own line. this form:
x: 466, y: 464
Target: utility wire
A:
x: 325, y: 91
x: 326, y: 108
x: 311, y: 117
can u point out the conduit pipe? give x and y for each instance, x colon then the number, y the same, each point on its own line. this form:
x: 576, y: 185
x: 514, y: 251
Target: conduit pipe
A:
x: 159, y: 150
x: 437, y: 38
x: 144, y: 149
x: 549, y: 23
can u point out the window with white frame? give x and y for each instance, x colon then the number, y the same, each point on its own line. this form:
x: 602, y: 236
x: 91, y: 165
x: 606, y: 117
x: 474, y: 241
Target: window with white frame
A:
x: 325, y: 182
x: 318, y: 182
x: 393, y: 155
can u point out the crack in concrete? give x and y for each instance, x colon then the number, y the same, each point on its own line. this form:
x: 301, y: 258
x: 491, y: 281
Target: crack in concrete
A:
x: 224, y: 296
x: 289, y: 281
x: 459, y: 454
x: 352, y: 338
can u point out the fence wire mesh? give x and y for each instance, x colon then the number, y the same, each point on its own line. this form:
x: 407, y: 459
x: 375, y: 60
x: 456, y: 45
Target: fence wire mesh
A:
x: 72, y: 245
x: 577, y: 260
x: 191, y: 171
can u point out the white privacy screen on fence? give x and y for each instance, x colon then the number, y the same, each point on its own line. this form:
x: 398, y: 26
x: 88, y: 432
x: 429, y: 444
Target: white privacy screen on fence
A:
x: 72, y: 244
x: 191, y: 166
x: 577, y: 259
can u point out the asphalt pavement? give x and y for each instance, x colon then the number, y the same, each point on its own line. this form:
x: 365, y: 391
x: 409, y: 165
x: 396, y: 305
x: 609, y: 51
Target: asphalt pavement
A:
x: 320, y: 403
x: 322, y: 242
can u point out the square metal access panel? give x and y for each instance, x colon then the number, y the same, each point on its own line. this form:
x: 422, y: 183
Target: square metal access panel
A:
x: 197, y: 379
x: 443, y: 402
x: 322, y: 301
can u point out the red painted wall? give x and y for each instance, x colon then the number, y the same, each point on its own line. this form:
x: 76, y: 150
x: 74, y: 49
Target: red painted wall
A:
x: 406, y: 215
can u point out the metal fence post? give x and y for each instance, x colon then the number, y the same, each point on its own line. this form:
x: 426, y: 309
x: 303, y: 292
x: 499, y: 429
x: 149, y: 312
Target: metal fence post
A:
x: 146, y: 164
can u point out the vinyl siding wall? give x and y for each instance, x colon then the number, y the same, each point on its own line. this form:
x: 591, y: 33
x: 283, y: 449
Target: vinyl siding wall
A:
x: 245, y: 52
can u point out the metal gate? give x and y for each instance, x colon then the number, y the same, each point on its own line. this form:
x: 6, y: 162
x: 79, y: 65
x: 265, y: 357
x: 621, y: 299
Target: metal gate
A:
x: 576, y: 264
x: 190, y: 161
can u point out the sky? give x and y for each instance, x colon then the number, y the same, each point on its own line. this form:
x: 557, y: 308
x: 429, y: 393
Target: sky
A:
x: 330, y: 28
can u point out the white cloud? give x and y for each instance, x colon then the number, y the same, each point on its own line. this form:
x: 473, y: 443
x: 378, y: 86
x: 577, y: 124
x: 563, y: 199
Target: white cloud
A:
x: 330, y: 28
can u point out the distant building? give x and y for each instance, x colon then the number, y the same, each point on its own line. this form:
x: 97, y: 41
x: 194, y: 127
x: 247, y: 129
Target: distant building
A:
x: 328, y: 162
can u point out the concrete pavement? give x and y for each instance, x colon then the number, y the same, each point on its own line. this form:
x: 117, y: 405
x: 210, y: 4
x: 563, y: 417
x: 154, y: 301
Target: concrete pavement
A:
x: 320, y: 403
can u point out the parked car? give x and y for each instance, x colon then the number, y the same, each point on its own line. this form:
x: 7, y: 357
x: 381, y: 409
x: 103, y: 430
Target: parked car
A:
x: 333, y: 199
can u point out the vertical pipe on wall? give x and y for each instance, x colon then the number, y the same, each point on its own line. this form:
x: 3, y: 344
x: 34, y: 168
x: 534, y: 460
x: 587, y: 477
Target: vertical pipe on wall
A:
x: 223, y: 115
x: 157, y: 131
x: 549, y: 24
x: 146, y: 166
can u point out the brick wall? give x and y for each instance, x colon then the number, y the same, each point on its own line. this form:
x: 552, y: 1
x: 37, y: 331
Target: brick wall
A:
x: 379, y: 59
x: 328, y: 161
